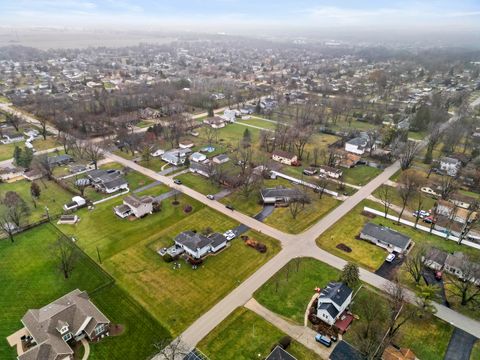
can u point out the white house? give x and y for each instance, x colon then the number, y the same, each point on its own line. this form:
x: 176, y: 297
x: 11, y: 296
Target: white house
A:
x: 435, y: 259
x: 382, y: 236
x: 429, y: 191
x: 10, y: 173
x: 186, y: 144
x: 201, y: 169
x: 357, y: 145
x: 458, y: 262
x: 221, y: 159
x: 215, y: 122
x: 198, y: 157
x: 12, y: 138
x: 456, y: 213
x: 135, y: 205
x: 333, y: 301
x: 230, y: 115
x: 450, y: 165
x: 197, y: 245
x: 284, y: 157
x: 157, y: 152
x: 330, y: 171
x: 176, y: 157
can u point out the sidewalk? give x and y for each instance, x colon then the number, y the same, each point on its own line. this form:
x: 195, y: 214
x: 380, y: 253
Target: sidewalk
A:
x: 304, y: 335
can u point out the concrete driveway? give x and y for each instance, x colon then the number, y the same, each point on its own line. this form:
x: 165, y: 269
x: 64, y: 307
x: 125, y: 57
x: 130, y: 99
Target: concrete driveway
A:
x: 460, y: 345
x: 388, y: 270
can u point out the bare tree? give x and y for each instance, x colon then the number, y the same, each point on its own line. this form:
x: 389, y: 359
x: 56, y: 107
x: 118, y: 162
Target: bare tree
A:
x: 16, y: 209
x: 170, y: 349
x: 464, y: 286
x: 434, y: 137
x: 386, y: 198
x: 448, y: 185
x: 42, y: 164
x: 419, y: 201
x: 322, y: 184
x: 408, y: 153
x: 66, y: 255
x: 471, y: 219
x: 410, y: 182
x: 13, y: 120
x: 414, y: 263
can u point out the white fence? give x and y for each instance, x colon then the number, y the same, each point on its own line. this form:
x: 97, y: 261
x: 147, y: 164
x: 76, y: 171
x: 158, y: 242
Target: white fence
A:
x: 301, y: 182
x: 111, y: 197
x: 421, y: 227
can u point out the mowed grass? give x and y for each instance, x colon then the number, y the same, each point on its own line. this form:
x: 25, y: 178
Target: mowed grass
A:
x: 6, y: 150
x: 245, y: 335
x: 174, y: 297
x: 282, y: 218
x: 289, y: 291
x: 344, y: 232
x: 199, y: 183
x: 427, y: 202
x: 30, y: 279
x: 360, y: 175
x: 427, y: 338
x: 475, y: 355
x: 52, y: 196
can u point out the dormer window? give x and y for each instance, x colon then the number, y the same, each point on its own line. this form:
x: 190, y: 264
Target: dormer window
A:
x: 67, y: 336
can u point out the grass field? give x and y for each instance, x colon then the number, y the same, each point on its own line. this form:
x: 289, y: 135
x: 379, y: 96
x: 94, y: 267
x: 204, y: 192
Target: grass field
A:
x: 282, y: 217
x: 155, y: 164
x: 52, y: 196
x: 475, y: 355
x: 6, y: 151
x: 428, y: 202
x: 427, y: 338
x: 128, y: 252
x: 360, y: 175
x: 289, y: 291
x: 30, y: 279
x: 199, y: 183
x: 244, y: 336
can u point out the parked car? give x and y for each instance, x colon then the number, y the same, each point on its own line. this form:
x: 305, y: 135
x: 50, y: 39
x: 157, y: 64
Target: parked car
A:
x: 421, y: 214
x: 438, y: 275
x: 229, y: 235
x: 324, y: 340
x: 390, y: 257
x: 229, y: 207
x: 210, y: 197
x: 178, y: 182
x: 429, y: 220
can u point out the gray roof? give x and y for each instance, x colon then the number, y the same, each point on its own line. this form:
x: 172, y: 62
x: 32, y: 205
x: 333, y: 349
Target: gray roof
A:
x: 115, y: 182
x: 358, y: 141
x: 345, y: 351
x: 281, y: 192
x: 456, y: 260
x: 386, y: 235
x: 336, y: 291
x: 449, y: 160
x: 74, y: 309
x: 436, y: 255
x: 58, y: 159
x: 279, y: 354
x: 135, y: 201
x: 200, y: 167
x: 192, y: 241
x: 331, y: 309
x: 217, y: 239
x: 222, y: 157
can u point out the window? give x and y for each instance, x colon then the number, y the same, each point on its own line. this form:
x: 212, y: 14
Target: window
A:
x: 67, y: 337
x: 99, y: 329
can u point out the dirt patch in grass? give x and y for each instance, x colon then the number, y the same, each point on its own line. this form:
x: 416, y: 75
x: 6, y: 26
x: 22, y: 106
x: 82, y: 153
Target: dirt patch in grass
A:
x: 117, y: 329
x: 344, y: 247
x: 368, y: 214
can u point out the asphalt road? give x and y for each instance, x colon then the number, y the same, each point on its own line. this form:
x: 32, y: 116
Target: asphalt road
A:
x: 460, y: 345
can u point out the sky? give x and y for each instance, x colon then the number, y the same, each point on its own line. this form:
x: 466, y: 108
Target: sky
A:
x: 249, y: 16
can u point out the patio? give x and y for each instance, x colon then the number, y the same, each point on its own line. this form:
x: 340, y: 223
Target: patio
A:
x: 16, y: 340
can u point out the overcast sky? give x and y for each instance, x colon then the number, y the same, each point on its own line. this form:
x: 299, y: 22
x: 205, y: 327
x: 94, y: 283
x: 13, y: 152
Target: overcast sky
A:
x: 234, y: 16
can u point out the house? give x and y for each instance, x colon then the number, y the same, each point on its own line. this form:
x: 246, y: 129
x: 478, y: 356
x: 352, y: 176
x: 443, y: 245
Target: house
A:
x: 404, y: 124
x: 385, y: 237
x: 345, y: 351
x: 56, y: 327
x: 280, y: 195
x: 333, y: 301
x: 7, y: 174
x: 176, y: 157
x: 458, y: 214
x: 138, y: 206
x: 77, y: 201
x: 11, y: 138
x: 33, y: 175
x: 107, y: 181
x: 330, y: 171
x: 197, y: 245
x: 429, y: 191
x: 456, y: 263
x: 198, y: 157
x: 221, y: 159
x: 215, y: 122
x: 310, y: 171
x: 68, y: 219
x: 186, y: 144
x: 157, y: 152
x: 285, y: 157
x: 461, y: 200
x: 435, y: 259
x: 230, y: 115
x: 59, y: 160
x: 346, y: 159
x: 395, y: 353
x: 278, y: 353
x: 450, y: 165
x: 357, y: 145
x: 201, y: 168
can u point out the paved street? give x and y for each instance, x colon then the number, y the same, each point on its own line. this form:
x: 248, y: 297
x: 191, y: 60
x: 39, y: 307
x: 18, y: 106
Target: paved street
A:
x: 460, y: 345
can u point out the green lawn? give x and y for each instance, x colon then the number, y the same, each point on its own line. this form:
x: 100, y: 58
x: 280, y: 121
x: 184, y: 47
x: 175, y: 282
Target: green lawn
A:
x: 155, y: 164
x: 360, y: 175
x: 428, y: 202
x: 416, y: 135
x: 428, y: 339
x: 345, y: 231
x: 128, y: 251
x: 244, y: 336
x: 289, y: 291
x: 250, y: 205
x: 282, y: 218
x: 30, y: 279
x: 52, y: 196
x: 475, y: 355
x: 199, y: 183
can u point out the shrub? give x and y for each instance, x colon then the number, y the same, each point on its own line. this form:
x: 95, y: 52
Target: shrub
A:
x: 262, y: 248
x: 187, y: 208
x: 167, y: 258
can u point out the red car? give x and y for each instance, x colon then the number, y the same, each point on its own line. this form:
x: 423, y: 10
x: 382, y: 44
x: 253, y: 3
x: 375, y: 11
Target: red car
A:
x: 429, y: 220
x: 438, y: 275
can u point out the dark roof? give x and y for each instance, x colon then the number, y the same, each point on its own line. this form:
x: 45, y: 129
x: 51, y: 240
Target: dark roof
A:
x: 217, y: 239
x: 336, y: 291
x: 331, y: 309
x: 345, y: 351
x: 386, y: 235
x: 279, y: 354
x: 436, y: 255
x: 358, y: 141
x: 135, y: 201
x: 115, y: 182
x: 59, y: 159
x: 221, y: 157
x: 192, y: 240
x: 281, y: 192
x: 283, y: 154
x: 200, y: 167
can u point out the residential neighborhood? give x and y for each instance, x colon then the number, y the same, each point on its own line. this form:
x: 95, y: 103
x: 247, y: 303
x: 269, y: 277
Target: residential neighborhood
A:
x: 230, y: 180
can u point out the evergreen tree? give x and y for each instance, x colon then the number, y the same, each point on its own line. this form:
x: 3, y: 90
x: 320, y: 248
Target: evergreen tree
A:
x: 26, y: 157
x: 210, y: 111
x: 17, y: 154
x: 247, y: 137
x: 350, y: 275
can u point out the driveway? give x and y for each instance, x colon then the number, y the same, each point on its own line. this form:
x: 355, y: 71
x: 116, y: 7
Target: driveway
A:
x: 460, y: 345
x: 147, y: 187
x: 429, y: 278
x: 266, y: 212
x: 388, y: 270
